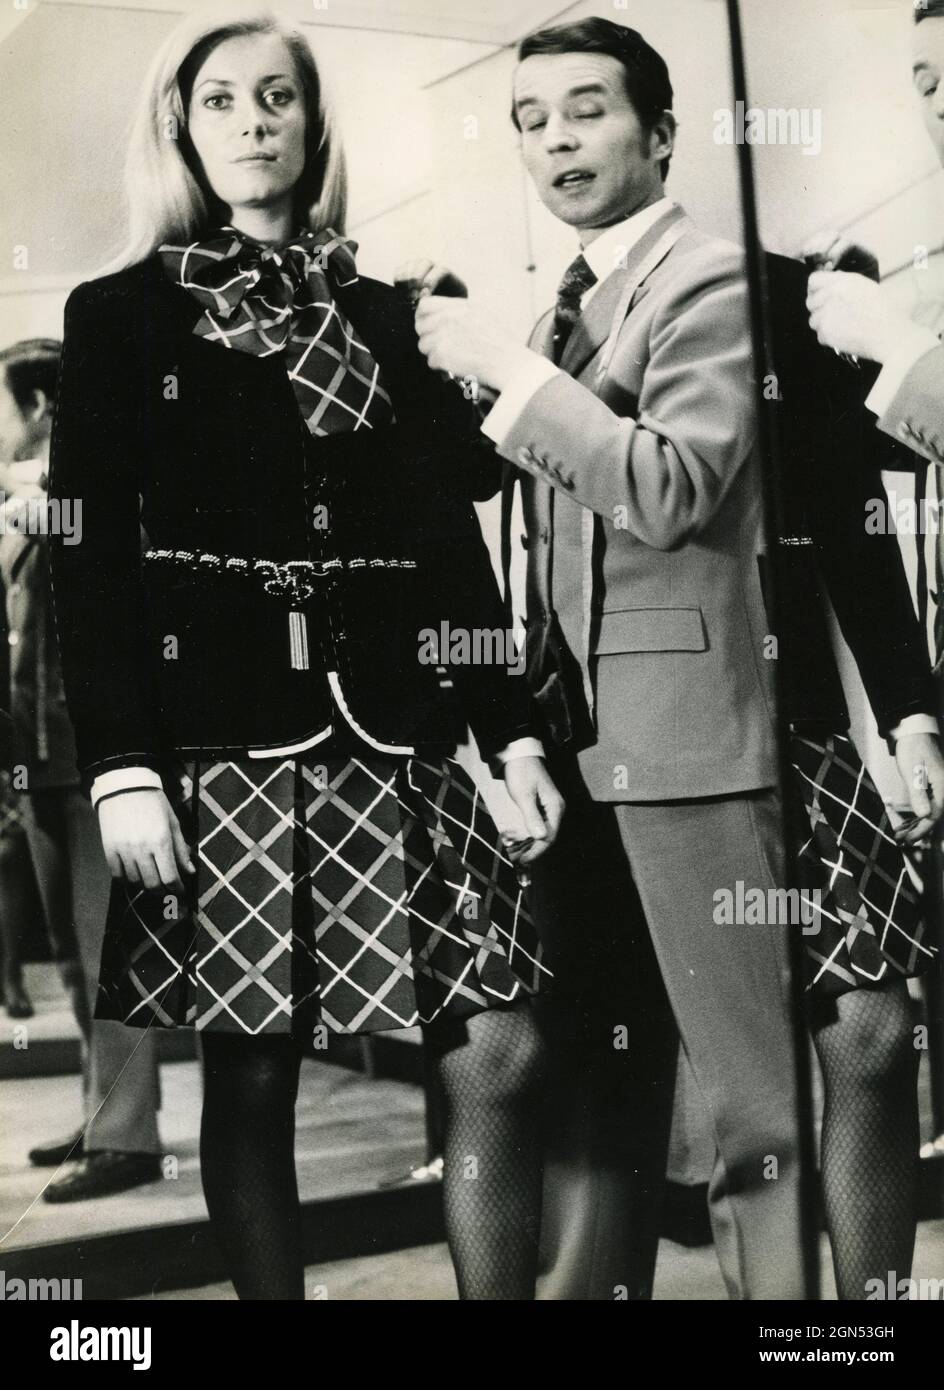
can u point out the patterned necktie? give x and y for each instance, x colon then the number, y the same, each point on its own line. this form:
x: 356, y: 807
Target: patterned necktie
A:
x: 578, y: 278
x: 264, y: 299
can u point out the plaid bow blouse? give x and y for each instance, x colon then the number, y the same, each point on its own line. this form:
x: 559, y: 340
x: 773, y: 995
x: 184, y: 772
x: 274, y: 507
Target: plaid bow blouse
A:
x: 262, y: 299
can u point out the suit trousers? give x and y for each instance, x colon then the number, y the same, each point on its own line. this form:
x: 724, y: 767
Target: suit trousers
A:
x: 120, y: 1074
x: 625, y: 902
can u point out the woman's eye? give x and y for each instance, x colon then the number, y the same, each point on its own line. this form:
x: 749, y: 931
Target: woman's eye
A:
x: 278, y: 96
x: 535, y: 123
x: 216, y: 101
x: 585, y: 113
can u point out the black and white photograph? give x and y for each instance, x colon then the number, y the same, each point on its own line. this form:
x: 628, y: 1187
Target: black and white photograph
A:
x: 472, y: 664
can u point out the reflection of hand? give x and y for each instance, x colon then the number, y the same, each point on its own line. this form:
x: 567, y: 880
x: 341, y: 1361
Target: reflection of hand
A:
x: 461, y: 337
x: 16, y: 511
x: 143, y: 841
x: 921, y: 767
x: 423, y: 277
x: 830, y: 251
x: 530, y: 787
x: 848, y: 313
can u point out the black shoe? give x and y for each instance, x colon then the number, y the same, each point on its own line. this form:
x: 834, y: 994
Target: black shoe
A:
x: 101, y: 1173
x: 16, y: 1000
x: 51, y: 1155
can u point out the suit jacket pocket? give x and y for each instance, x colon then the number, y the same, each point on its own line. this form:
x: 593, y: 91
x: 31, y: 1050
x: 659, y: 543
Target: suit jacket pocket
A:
x: 651, y: 630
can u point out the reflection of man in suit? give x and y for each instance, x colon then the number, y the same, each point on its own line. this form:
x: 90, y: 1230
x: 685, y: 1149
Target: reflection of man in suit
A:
x: 632, y: 422
x: 849, y: 311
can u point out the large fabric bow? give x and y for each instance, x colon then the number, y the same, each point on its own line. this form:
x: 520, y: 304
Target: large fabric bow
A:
x: 266, y: 299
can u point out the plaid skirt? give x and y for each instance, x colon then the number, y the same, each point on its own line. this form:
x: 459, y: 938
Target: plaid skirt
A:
x: 353, y: 895
x: 866, y: 924
x: 11, y: 815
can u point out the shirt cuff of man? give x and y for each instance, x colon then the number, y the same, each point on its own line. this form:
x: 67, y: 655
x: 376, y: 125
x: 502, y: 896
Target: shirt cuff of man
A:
x: 517, y: 748
x: 525, y: 383
x: 898, y: 364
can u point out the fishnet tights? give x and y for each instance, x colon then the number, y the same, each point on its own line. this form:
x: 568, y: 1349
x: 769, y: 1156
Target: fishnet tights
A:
x: 870, y: 1133
x: 489, y: 1068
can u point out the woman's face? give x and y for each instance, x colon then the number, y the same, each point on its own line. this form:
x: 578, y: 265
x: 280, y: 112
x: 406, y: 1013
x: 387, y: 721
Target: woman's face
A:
x: 246, y: 120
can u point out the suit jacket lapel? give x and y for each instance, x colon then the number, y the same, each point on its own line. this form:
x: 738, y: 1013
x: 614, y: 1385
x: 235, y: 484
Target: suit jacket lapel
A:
x: 542, y: 335
x: 592, y: 329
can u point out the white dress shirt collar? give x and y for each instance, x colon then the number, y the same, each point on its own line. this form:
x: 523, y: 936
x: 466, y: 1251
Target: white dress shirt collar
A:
x: 610, y: 249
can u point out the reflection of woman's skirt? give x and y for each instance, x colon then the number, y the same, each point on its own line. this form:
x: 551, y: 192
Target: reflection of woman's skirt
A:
x: 867, y: 924
x: 360, y: 895
x: 11, y: 817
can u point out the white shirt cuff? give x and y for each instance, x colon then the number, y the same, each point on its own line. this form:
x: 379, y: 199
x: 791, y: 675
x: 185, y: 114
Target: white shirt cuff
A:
x: 511, y: 402
x: 519, y: 748
x: 123, y: 779
x: 916, y: 724
x: 899, y: 363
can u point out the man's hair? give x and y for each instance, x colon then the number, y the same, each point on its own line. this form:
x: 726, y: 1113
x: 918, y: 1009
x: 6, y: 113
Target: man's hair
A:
x: 31, y: 365
x: 928, y: 9
x: 645, y: 71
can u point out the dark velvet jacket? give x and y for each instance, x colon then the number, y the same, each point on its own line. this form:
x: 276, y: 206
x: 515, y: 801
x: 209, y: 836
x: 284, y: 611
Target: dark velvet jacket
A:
x: 832, y: 455
x: 207, y: 449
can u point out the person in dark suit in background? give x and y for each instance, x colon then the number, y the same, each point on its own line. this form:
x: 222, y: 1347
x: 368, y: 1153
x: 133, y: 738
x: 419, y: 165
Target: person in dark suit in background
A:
x: 118, y: 1147
x: 17, y: 885
x: 17, y: 882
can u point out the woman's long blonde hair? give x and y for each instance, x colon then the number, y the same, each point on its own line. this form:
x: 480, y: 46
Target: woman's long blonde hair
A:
x: 165, y: 199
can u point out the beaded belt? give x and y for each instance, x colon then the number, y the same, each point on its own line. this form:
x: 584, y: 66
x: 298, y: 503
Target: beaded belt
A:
x: 295, y: 579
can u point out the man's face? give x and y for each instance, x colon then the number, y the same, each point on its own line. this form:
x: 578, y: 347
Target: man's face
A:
x: 927, y: 48
x: 583, y: 145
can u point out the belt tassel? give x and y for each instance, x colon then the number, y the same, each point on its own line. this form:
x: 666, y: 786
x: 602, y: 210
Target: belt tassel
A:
x: 298, y: 641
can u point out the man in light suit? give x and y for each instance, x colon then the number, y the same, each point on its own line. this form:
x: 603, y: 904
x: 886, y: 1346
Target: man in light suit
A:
x: 631, y: 420
x: 849, y: 311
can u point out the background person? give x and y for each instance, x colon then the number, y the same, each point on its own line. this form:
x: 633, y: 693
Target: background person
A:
x: 118, y: 1146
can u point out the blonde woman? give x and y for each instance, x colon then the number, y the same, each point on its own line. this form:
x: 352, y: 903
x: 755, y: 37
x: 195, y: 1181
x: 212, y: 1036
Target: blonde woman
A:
x: 259, y: 732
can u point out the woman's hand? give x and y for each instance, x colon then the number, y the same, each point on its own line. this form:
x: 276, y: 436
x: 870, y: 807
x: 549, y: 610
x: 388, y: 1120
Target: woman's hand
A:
x: 921, y: 767
x: 529, y: 785
x: 143, y: 841
x: 423, y: 277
